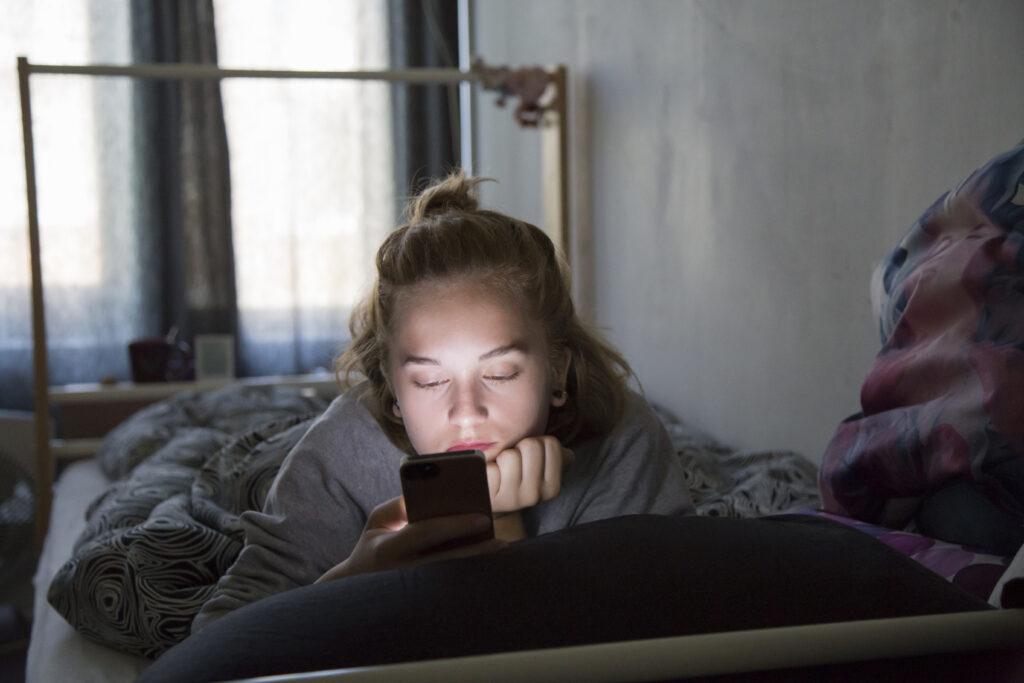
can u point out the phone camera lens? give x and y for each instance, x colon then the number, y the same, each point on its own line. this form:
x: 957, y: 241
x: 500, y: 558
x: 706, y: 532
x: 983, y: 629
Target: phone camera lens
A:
x: 424, y: 470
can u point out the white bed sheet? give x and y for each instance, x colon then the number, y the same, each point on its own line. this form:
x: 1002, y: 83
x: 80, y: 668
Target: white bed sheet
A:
x: 56, y: 651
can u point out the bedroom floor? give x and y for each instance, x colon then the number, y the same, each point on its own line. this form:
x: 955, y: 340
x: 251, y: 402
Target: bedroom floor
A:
x: 14, y: 634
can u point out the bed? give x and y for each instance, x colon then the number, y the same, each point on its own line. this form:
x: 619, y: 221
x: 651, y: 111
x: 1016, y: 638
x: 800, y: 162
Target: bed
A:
x: 174, y: 476
x: 230, y: 441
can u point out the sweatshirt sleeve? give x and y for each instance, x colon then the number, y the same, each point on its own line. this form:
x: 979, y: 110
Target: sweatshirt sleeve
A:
x: 636, y: 471
x: 313, y: 515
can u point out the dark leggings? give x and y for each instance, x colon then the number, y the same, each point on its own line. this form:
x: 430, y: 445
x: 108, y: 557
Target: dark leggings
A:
x: 961, y: 512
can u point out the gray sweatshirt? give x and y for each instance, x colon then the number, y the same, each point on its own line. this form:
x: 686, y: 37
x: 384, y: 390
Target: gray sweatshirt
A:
x: 345, y: 466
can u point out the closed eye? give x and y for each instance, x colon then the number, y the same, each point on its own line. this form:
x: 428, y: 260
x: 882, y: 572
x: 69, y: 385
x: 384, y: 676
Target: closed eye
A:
x: 430, y: 385
x: 502, y: 378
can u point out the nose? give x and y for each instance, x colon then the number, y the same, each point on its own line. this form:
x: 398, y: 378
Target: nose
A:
x: 467, y: 407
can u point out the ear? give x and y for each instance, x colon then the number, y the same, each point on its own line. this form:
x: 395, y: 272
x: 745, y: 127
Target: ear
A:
x: 559, y: 395
x: 396, y: 410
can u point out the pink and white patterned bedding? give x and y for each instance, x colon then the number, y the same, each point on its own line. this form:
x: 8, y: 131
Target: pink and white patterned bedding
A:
x: 940, y: 438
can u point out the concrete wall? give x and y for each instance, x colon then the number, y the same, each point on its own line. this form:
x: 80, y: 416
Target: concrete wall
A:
x: 739, y: 166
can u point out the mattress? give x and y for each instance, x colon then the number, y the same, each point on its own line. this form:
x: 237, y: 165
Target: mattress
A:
x: 56, y: 651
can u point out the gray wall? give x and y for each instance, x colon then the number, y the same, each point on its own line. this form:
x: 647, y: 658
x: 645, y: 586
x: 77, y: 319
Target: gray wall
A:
x: 739, y: 166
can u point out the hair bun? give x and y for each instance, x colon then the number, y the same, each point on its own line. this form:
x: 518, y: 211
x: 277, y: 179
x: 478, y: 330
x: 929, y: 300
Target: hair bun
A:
x: 456, y: 193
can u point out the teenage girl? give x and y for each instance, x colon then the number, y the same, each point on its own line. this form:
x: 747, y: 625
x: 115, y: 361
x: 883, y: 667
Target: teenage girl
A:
x: 469, y: 339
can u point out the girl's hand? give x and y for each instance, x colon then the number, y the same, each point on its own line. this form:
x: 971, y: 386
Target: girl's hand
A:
x: 530, y: 472
x: 389, y: 541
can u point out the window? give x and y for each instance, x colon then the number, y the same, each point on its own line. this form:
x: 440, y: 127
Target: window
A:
x: 312, y: 184
x: 311, y: 171
x: 80, y: 138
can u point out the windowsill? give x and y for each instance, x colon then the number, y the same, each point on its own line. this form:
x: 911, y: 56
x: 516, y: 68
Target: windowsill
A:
x: 88, y: 411
x: 94, y: 392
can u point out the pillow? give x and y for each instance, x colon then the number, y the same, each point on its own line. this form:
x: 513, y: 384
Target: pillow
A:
x: 943, y: 404
x: 642, y: 576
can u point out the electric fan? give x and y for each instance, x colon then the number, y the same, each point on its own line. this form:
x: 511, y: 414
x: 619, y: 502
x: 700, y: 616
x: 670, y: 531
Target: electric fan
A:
x: 17, y: 516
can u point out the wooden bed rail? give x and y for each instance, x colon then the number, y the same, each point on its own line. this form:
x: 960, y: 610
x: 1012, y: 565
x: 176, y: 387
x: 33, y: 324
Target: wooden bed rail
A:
x: 553, y: 124
x: 984, y: 633
x: 194, y: 72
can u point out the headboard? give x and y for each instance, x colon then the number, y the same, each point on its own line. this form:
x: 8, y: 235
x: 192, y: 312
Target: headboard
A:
x: 542, y: 103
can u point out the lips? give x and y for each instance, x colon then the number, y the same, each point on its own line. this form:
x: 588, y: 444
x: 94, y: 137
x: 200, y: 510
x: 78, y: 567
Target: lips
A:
x: 471, y: 446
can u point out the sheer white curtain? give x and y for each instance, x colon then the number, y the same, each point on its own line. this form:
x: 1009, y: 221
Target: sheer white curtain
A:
x: 86, y: 208
x: 312, y: 185
x: 311, y: 173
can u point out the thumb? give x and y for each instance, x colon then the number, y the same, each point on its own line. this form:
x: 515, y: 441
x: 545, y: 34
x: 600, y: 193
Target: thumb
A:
x: 389, y: 515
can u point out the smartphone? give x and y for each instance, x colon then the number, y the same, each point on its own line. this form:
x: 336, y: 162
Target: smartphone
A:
x: 441, y: 484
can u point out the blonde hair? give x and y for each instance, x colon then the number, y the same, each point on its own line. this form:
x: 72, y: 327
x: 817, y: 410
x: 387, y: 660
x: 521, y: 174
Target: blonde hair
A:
x: 446, y: 237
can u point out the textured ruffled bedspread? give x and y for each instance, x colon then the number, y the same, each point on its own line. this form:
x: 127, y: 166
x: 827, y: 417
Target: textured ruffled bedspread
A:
x: 159, y: 538
x: 728, y: 483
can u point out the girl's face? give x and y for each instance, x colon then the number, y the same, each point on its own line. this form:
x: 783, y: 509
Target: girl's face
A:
x: 469, y: 370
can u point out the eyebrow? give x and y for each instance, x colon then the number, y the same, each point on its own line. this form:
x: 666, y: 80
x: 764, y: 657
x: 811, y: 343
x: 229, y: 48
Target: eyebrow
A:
x: 493, y: 353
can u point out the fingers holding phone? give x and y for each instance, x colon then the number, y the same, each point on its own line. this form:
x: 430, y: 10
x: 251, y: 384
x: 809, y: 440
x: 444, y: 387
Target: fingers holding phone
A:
x: 390, y: 541
x: 527, y: 474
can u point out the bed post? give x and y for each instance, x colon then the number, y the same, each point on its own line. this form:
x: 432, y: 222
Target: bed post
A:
x: 555, y: 163
x: 44, y: 460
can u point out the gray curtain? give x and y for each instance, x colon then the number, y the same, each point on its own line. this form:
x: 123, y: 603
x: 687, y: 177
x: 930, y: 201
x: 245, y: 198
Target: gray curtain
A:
x: 426, y: 117
x: 184, y: 189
